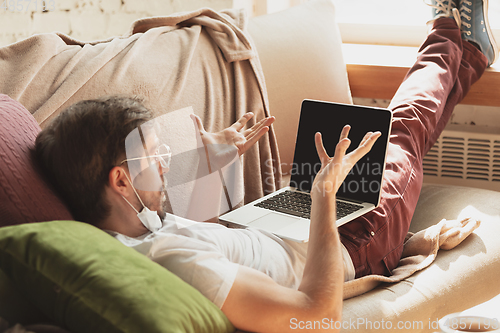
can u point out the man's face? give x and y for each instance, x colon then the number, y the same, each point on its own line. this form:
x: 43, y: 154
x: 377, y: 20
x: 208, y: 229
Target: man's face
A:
x: 148, y: 162
x: 155, y: 201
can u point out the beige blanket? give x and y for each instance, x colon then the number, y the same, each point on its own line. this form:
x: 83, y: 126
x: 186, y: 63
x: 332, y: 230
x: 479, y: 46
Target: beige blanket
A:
x: 419, y: 252
x: 201, y: 59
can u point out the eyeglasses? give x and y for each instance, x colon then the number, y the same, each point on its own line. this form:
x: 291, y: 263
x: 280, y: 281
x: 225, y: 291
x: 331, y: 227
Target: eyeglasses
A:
x: 162, y: 155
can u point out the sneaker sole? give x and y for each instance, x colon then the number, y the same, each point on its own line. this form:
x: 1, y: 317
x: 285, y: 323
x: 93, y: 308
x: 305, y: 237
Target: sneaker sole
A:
x: 488, y: 30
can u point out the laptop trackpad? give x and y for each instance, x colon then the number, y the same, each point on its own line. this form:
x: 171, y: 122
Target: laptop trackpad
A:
x: 273, y: 222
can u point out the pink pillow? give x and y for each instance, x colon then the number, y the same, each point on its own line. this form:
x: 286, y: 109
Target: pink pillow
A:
x: 24, y: 195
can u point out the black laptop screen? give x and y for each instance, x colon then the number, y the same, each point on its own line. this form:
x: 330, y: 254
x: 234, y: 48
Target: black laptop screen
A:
x: 364, y: 181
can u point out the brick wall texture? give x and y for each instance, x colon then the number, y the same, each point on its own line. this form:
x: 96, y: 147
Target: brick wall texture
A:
x: 86, y: 19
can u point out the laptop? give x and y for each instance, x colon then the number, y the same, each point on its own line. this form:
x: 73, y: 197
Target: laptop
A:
x: 286, y: 212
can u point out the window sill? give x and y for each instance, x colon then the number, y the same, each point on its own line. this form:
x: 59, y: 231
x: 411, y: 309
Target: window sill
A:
x: 376, y: 71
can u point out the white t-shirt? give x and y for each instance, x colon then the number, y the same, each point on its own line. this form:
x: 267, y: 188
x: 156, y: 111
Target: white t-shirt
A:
x: 207, y: 255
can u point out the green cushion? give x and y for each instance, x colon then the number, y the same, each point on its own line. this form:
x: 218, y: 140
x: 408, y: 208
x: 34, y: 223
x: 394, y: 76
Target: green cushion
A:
x: 87, y: 281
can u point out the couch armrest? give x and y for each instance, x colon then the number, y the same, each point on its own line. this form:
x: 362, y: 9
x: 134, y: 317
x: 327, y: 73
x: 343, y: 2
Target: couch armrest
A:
x: 301, y: 54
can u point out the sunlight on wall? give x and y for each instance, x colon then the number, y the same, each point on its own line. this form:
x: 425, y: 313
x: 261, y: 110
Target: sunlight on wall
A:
x: 86, y: 19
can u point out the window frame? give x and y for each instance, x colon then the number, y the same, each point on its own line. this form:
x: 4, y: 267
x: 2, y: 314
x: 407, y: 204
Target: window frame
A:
x: 354, y: 33
x: 379, y: 34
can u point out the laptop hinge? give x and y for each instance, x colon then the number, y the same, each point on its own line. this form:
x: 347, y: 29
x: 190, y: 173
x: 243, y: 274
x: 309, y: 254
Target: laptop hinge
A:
x: 351, y: 200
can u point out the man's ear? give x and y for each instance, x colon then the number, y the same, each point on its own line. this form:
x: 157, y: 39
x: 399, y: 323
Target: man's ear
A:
x: 118, y: 181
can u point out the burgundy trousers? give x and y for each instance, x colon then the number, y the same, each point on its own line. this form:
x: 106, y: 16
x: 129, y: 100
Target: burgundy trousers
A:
x: 445, y: 69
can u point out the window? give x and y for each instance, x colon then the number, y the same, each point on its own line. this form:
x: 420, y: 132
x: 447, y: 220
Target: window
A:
x: 392, y: 22
x: 387, y: 22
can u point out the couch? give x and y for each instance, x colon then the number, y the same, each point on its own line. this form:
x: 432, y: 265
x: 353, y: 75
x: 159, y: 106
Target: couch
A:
x: 73, y: 277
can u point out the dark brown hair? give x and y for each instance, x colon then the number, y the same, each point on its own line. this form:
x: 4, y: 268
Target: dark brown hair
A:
x: 79, y: 148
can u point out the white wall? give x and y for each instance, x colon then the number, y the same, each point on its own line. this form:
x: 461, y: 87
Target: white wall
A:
x: 87, y: 19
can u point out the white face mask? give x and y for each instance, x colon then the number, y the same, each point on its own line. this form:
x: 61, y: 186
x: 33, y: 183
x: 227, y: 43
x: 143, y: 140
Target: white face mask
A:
x: 149, y: 219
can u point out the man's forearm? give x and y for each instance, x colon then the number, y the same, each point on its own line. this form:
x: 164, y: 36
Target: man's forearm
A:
x: 323, y: 275
x: 257, y: 303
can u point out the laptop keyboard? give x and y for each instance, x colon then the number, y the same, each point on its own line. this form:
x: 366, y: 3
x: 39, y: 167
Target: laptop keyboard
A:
x: 299, y: 204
